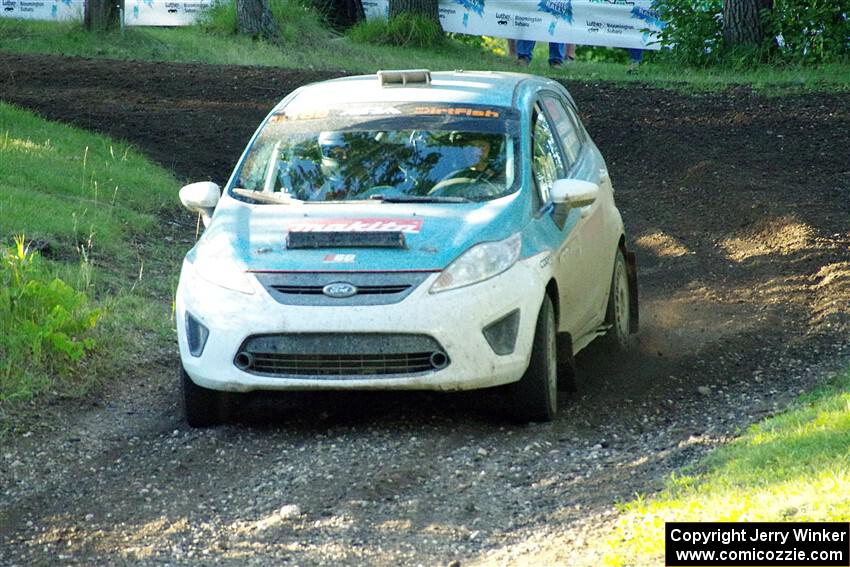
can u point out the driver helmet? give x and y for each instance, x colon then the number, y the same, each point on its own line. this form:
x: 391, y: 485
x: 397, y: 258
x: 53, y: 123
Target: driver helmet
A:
x: 334, y: 151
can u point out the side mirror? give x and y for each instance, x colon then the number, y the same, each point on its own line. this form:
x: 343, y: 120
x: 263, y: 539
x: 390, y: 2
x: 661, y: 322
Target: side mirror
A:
x: 574, y: 193
x: 201, y: 197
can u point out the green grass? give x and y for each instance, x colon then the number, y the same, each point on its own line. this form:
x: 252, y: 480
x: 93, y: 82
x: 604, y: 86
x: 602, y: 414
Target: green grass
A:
x: 75, y: 189
x: 791, y: 467
x: 92, y: 204
x: 308, y: 45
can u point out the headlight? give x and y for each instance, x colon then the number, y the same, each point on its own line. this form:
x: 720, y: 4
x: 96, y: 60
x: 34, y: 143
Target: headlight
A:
x: 223, y: 273
x: 479, y: 263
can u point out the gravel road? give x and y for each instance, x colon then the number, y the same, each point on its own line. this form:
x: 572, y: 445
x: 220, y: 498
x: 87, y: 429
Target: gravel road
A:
x: 737, y: 206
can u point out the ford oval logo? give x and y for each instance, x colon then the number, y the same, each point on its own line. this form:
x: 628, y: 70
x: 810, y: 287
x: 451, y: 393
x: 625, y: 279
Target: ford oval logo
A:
x: 339, y: 290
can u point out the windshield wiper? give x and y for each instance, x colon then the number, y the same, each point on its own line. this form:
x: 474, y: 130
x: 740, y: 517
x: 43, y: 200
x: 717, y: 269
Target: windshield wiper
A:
x: 419, y: 199
x: 274, y: 198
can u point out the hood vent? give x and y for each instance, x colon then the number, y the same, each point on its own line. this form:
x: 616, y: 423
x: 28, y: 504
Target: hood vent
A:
x: 295, y: 240
x: 405, y: 77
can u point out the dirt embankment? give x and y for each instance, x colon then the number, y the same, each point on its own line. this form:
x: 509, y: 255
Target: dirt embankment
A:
x: 738, y: 208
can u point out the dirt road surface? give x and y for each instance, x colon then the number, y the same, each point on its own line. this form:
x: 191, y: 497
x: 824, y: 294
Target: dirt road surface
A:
x: 737, y: 206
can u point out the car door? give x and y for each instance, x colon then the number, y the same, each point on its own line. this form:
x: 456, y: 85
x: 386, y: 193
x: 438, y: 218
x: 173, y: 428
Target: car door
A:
x: 589, y: 291
x: 548, y: 164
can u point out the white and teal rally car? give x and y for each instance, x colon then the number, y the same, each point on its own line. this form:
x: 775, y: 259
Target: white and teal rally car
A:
x: 406, y: 230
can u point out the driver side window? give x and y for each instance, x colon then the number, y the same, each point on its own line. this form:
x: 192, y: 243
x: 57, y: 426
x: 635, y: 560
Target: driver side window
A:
x: 547, y: 163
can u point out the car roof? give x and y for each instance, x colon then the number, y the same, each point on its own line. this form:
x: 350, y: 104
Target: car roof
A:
x: 468, y: 87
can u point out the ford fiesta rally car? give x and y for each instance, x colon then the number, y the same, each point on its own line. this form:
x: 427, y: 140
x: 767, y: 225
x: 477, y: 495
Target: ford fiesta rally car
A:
x: 410, y: 230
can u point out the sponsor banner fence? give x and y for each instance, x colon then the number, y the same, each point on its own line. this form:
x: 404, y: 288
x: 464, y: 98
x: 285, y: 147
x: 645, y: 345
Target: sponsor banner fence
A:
x: 612, y: 23
x: 56, y: 10
x: 163, y: 12
x: 137, y: 12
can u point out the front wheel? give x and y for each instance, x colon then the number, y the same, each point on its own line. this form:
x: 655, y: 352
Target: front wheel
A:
x: 618, y: 313
x: 535, y: 396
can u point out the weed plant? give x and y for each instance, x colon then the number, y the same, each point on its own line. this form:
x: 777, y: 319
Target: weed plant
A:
x: 45, y: 324
x: 405, y: 30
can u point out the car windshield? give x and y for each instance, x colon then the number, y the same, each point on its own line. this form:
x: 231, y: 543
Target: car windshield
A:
x: 394, y: 153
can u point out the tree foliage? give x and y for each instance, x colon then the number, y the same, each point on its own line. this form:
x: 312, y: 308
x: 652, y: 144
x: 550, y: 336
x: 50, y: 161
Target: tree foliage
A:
x: 707, y: 32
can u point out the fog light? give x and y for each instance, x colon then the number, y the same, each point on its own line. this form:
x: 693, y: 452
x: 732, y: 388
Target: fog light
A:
x: 196, y: 335
x: 501, y: 334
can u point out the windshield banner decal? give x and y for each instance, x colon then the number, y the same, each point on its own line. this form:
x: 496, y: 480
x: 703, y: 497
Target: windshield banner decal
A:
x: 407, y: 226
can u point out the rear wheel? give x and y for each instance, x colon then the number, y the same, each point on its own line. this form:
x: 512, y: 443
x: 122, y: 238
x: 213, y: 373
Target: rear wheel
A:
x: 618, y: 314
x: 535, y: 396
x: 202, y: 407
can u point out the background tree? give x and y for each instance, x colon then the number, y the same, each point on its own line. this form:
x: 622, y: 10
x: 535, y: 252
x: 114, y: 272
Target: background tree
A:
x: 101, y: 14
x: 743, y: 22
x: 701, y: 32
x: 426, y: 8
x: 254, y: 18
x: 341, y: 14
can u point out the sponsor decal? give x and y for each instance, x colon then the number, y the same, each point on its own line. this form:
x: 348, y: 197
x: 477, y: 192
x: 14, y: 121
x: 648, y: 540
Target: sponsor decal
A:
x: 408, y: 226
x: 648, y: 15
x: 284, y: 116
x: 473, y: 112
x: 503, y: 18
x: 339, y: 258
x: 383, y: 110
x: 476, y: 6
x: 561, y: 9
x: 371, y: 111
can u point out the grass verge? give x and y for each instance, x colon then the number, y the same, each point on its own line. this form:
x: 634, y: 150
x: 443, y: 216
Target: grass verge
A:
x: 88, y: 205
x: 790, y: 467
x: 306, y: 44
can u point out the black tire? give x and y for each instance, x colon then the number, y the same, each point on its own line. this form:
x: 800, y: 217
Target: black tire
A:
x: 201, y: 406
x: 535, y: 396
x: 618, y: 313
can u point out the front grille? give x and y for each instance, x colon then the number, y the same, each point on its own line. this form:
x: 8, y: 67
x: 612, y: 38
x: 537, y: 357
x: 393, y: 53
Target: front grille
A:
x: 341, y: 364
x: 361, y: 290
x: 373, y: 288
x: 340, y: 356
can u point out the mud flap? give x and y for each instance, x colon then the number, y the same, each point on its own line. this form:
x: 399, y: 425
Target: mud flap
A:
x: 566, y: 363
x: 634, y: 311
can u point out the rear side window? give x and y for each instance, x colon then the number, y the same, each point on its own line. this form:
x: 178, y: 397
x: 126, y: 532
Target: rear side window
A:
x: 566, y: 127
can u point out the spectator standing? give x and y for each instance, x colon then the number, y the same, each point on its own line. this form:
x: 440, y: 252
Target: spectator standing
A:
x: 558, y: 52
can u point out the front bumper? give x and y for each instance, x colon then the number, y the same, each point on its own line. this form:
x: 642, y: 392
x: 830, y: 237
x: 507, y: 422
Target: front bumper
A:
x: 454, y: 319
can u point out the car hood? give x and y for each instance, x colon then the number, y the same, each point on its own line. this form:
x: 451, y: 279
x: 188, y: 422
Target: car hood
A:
x: 255, y: 236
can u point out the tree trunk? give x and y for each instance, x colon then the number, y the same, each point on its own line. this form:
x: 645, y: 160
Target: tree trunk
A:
x: 101, y: 14
x: 427, y: 8
x: 742, y: 21
x: 341, y: 14
x: 254, y: 18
